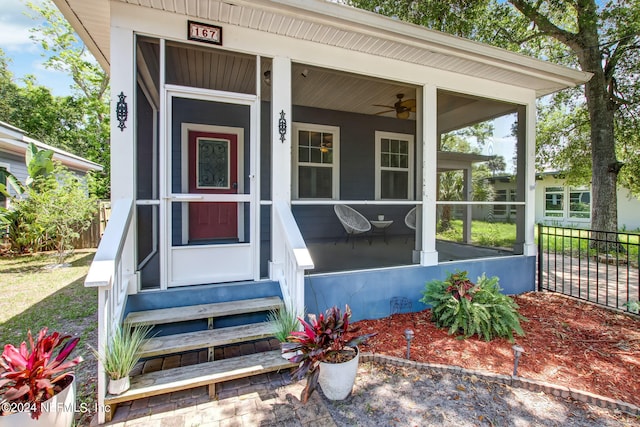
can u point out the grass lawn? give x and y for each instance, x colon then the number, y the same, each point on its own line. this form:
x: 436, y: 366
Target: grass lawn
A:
x: 492, y: 234
x: 35, y: 295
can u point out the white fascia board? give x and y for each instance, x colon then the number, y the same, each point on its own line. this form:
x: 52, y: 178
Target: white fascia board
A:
x: 85, y: 34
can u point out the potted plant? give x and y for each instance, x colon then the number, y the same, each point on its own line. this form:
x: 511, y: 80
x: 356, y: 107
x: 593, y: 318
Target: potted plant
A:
x: 36, y: 386
x: 328, y: 353
x: 121, y: 355
x: 284, y: 321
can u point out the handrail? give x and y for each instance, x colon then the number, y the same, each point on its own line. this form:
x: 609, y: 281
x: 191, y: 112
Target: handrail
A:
x: 106, y: 274
x: 296, y: 258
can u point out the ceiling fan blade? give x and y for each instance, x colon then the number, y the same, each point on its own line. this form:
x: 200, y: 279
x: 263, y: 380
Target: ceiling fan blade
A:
x: 408, y: 103
x: 385, y: 106
x: 383, y: 112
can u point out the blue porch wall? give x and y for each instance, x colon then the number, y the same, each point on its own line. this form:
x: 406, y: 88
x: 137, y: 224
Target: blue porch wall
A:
x: 369, y: 292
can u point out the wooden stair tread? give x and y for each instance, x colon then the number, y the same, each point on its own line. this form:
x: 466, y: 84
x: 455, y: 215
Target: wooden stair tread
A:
x: 185, y: 377
x: 188, y: 341
x: 202, y: 311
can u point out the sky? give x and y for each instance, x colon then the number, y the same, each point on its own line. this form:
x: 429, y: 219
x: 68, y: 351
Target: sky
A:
x: 26, y: 56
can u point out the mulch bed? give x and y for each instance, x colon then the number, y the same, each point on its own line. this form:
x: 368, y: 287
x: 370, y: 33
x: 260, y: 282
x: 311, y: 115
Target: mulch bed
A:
x: 567, y: 342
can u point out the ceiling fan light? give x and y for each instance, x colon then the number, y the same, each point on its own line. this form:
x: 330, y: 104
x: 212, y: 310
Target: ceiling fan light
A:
x: 403, y: 114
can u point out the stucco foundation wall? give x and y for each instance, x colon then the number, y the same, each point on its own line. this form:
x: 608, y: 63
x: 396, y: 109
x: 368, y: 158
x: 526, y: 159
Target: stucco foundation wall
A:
x: 369, y: 293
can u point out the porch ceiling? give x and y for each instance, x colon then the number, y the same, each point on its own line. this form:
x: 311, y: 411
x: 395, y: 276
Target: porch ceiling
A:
x: 343, y: 27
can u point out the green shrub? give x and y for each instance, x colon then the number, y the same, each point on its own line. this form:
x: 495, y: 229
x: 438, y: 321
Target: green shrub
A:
x: 468, y: 308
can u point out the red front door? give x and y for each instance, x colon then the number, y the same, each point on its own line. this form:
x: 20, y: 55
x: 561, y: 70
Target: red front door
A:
x: 213, y: 169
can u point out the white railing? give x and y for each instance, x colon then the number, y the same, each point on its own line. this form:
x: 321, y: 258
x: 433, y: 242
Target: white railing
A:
x: 106, y: 274
x: 296, y: 258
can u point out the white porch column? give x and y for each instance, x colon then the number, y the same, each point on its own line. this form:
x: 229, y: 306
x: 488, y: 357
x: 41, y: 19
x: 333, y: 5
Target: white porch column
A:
x: 280, y: 151
x: 526, y: 185
x: 466, y: 213
x: 427, y: 227
x: 123, y: 153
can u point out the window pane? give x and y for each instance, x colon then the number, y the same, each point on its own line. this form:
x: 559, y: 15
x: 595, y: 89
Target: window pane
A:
x: 404, y: 161
x: 316, y: 156
x: 579, y: 204
x: 213, y: 163
x: 316, y: 138
x: 303, y: 138
x: 315, y: 182
x: 327, y: 156
x: 404, y: 147
x: 303, y: 155
x: 554, y: 205
x: 394, y: 185
x: 385, y: 162
x: 384, y: 145
x: 394, y: 161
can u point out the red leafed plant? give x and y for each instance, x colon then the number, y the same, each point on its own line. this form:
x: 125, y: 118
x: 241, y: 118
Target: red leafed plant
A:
x: 32, y: 376
x: 324, y: 339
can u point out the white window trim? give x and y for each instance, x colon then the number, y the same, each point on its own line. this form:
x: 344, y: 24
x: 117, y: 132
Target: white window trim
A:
x: 568, y: 204
x: 335, y: 166
x: 379, y: 135
x: 562, y: 212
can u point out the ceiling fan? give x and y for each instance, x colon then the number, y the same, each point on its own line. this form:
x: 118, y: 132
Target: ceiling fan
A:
x: 402, y: 108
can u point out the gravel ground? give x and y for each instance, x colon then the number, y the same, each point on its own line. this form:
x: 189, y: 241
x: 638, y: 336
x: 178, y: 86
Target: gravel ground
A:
x: 399, y: 396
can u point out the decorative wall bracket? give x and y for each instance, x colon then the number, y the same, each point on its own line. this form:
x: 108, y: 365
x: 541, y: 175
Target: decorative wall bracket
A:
x: 122, y: 111
x: 282, y: 126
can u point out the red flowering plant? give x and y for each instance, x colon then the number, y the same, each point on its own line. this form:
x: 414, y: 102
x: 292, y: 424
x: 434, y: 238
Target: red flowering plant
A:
x: 325, y: 338
x: 32, y: 375
x: 460, y: 286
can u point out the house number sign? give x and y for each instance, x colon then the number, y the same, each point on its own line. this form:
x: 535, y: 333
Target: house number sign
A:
x: 204, y: 32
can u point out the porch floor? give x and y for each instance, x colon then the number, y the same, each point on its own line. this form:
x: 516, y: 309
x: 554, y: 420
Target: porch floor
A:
x: 331, y: 255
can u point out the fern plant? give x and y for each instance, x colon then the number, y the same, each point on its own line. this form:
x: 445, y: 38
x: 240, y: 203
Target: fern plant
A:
x: 471, y: 308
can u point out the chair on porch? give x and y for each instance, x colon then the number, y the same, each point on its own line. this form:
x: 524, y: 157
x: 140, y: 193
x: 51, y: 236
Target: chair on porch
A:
x: 354, y: 222
x: 410, y: 220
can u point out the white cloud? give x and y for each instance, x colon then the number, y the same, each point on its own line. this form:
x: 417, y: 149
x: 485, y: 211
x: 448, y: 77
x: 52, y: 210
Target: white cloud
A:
x: 16, y: 19
x: 15, y: 36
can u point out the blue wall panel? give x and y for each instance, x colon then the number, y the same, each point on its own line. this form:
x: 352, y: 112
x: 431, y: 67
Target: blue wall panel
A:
x: 369, y: 293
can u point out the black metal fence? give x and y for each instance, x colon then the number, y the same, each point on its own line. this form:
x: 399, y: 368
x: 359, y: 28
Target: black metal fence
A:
x: 597, y: 266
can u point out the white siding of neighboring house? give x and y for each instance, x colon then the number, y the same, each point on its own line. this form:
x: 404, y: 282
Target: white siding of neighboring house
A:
x: 628, y: 206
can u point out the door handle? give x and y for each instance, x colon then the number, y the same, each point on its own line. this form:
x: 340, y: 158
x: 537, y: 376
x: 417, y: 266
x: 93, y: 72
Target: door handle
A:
x: 234, y: 185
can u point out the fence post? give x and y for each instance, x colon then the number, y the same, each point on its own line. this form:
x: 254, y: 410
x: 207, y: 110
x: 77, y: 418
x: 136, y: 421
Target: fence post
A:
x: 540, y: 259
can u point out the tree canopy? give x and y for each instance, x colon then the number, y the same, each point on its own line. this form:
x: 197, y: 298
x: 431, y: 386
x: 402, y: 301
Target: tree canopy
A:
x: 590, y: 133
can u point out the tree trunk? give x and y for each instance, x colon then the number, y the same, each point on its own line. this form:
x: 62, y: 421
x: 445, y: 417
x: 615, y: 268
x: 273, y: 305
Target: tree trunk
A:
x: 604, y: 173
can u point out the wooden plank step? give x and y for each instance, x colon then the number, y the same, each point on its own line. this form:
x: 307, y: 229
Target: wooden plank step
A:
x: 202, y: 311
x: 177, y: 343
x: 185, y: 377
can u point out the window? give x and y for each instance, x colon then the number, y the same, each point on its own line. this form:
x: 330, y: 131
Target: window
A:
x: 4, y: 167
x: 394, y: 166
x: 579, y: 203
x: 316, y: 151
x: 554, y: 202
x: 500, y: 210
